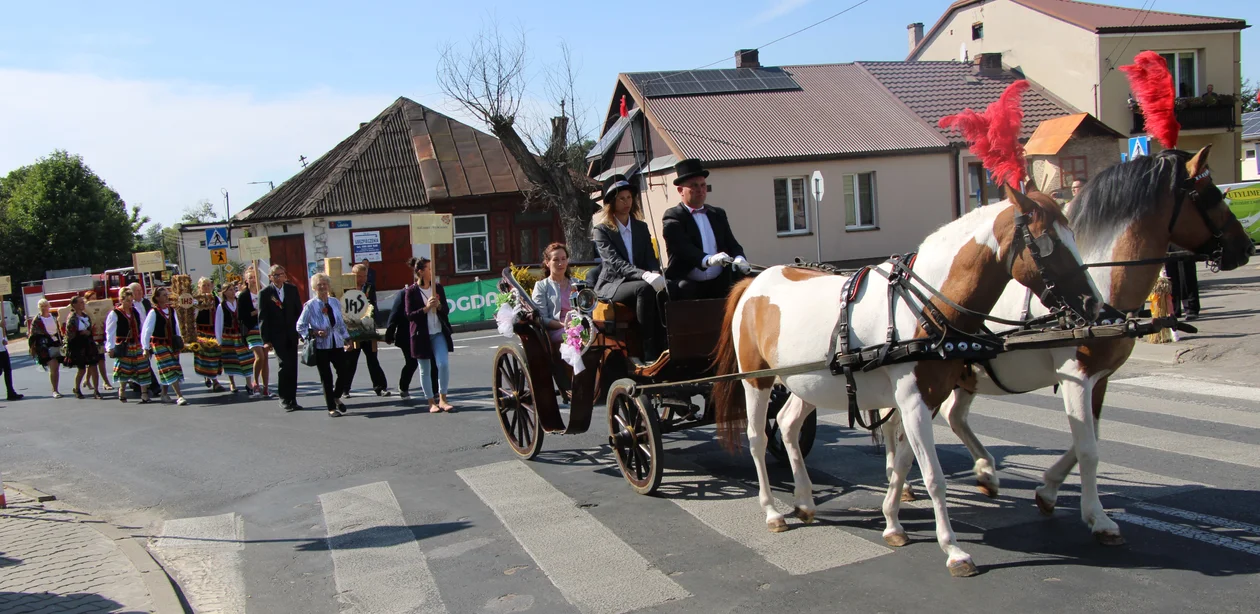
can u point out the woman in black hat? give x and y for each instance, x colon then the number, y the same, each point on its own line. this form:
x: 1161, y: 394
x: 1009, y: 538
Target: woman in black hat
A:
x: 631, y: 272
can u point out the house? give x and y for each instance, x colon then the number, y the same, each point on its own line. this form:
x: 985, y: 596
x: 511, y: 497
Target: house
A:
x: 1074, y: 50
x: 355, y: 202
x: 1067, y: 149
x: 891, y: 177
x: 1251, y: 146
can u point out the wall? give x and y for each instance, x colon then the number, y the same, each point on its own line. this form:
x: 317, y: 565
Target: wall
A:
x: 1099, y: 152
x: 1251, y: 168
x: 1222, y: 159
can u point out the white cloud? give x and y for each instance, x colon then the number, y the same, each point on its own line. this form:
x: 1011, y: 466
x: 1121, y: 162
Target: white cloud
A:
x: 778, y: 9
x: 167, y: 145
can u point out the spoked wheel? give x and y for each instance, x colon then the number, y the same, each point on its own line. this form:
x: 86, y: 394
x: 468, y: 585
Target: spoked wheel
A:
x: 634, y: 431
x: 514, y: 403
x: 809, y: 429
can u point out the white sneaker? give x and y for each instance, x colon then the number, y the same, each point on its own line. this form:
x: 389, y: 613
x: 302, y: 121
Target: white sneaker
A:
x: 181, y: 401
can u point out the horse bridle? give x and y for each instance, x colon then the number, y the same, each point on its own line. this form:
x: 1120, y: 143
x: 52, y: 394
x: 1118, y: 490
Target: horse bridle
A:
x: 1039, y: 248
x: 1191, y: 189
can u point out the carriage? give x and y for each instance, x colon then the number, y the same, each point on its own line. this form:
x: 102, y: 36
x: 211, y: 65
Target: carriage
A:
x: 532, y: 381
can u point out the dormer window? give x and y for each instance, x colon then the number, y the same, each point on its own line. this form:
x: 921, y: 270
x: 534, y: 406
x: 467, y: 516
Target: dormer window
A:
x: 977, y: 31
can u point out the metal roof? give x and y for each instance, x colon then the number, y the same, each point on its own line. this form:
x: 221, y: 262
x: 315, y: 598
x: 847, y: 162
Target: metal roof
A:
x: 1251, y: 125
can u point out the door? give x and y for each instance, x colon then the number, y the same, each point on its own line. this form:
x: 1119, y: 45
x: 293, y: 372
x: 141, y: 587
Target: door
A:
x: 392, y: 272
x: 289, y: 251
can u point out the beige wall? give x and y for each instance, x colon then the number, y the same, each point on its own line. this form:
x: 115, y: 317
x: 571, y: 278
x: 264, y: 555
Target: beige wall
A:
x: 912, y: 198
x: 1222, y: 159
x: 1250, y: 171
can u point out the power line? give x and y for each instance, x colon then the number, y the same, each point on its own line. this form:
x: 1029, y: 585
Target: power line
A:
x: 1142, y: 14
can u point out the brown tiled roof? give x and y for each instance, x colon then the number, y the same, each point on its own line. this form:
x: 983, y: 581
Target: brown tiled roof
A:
x: 405, y: 158
x: 839, y: 111
x: 936, y: 89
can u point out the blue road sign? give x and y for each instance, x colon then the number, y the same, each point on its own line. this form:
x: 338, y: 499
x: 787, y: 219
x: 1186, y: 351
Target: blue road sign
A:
x: 1139, y: 146
x: 217, y: 237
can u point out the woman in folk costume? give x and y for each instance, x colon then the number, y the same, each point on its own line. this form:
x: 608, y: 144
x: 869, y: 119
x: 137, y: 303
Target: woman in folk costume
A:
x: 247, y: 310
x: 321, y: 324
x: 234, y: 354
x: 45, y: 344
x: 122, y: 343
x: 206, y: 357
x: 158, y: 340
x: 101, y: 374
x: 82, y: 346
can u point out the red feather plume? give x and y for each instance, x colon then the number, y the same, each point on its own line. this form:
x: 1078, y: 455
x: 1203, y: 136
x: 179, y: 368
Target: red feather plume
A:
x: 623, y: 106
x: 1152, y: 86
x: 993, y: 136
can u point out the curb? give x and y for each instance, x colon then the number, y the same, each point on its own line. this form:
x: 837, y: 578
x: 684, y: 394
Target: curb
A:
x: 1166, y: 353
x: 31, y: 492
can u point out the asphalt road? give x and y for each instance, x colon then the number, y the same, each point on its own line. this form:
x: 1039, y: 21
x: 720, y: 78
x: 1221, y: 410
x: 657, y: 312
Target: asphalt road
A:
x: 392, y: 509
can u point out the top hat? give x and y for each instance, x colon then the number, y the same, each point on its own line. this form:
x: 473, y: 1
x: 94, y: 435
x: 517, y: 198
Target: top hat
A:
x: 687, y: 169
x: 615, y: 184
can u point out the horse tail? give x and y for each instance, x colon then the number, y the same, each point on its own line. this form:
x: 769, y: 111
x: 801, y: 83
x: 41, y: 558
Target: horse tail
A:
x: 729, y: 411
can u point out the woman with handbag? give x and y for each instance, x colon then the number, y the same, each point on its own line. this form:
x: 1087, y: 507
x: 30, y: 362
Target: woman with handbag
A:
x: 247, y: 309
x: 122, y: 343
x: 162, y: 342
x: 45, y: 345
x: 326, y: 337
x: 234, y: 355
x: 428, y: 312
x: 82, y: 346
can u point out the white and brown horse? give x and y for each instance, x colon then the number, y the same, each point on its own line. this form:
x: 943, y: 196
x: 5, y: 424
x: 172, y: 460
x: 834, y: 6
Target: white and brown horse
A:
x: 1131, y: 211
x: 782, y: 319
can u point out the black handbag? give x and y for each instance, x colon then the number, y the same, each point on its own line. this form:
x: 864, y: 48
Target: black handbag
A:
x: 308, y: 353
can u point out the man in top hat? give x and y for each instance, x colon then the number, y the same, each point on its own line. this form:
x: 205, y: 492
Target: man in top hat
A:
x: 698, y: 239
x: 630, y: 272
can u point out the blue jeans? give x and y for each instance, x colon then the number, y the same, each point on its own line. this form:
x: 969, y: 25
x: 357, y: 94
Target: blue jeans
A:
x: 442, y: 358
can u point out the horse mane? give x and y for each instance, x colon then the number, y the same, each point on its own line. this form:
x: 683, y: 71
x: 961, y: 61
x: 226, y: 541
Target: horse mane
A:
x: 1126, y: 192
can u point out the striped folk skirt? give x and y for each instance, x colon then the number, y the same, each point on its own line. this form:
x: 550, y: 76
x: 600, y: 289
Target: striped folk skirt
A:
x: 131, y: 365
x: 253, y: 338
x: 206, y: 361
x: 167, y: 364
x: 235, y: 355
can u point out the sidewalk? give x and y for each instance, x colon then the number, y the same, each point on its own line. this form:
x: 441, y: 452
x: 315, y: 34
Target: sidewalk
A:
x: 53, y: 559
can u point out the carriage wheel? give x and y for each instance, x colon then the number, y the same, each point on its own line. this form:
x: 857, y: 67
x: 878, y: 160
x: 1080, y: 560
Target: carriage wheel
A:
x: 634, y: 431
x: 809, y: 428
x: 514, y: 403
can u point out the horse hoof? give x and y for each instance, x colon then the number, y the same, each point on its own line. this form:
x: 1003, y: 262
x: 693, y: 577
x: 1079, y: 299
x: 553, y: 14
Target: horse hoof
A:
x: 1109, y: 539
x: 896, y: 540
x: 908, y: 495
x: 1046, y: 507
x: 963, y: 569
x: 987, y: 490
x: 806, y: 516
x: 778, y: 525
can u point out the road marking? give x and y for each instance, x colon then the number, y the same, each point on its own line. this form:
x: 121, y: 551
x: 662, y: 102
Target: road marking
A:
x: 1203, y: 519
x: 485, y: 337
x: 735, y: 513
x: 1220, y: 450
x: 377, y: 563
x: 1136, y: 401
x: 594, y: 569
x: 1176, y: 384
x: 204, y: 554
x: 1207, y: 537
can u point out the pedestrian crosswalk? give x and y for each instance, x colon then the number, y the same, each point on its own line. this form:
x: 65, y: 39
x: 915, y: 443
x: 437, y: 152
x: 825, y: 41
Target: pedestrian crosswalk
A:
x: 599, y: 561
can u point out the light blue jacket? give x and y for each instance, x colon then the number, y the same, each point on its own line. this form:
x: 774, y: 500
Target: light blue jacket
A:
x: 547, y: 296
x: 313, y: 319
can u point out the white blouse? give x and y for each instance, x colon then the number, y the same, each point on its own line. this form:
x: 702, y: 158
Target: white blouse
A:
x: 218, y: 320
x: 151, y: 322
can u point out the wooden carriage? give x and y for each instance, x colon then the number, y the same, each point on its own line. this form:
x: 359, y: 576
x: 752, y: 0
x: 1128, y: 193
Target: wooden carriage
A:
x: 531, y: 382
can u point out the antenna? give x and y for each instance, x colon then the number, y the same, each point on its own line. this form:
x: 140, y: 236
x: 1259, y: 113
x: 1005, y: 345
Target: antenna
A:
x: 302, y: 159
x: 269, y: 183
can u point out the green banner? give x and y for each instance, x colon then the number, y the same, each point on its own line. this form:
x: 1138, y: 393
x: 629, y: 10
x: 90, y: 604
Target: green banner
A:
x: 1245, y: 203
x: 473, y: 302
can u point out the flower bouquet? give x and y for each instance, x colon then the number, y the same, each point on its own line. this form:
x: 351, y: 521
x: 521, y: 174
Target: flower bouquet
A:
x: 506, y: 316
x: 204, y: 343
x: 578, y: 334
x: 192, y: 347
x: 362, y: 329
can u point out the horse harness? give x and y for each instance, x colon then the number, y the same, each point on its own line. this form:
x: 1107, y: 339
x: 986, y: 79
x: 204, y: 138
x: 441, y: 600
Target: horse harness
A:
x: 1192, y: 189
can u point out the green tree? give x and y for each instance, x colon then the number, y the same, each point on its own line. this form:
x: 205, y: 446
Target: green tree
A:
x: 57, y: 213
x: 1249, y: 101
x: 203, y: 212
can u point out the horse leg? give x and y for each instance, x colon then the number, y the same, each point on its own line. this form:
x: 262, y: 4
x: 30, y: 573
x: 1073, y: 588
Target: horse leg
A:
x: 898, y: 459
x: 917, y: 418
x: 1078, y: 398
x: 790, y: 419
x: 955, y: 409
x: 1058, y: 472
x: 757, y: 404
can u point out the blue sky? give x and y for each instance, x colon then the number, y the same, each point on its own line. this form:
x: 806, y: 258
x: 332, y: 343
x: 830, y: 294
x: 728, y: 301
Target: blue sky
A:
x: 171, y: 102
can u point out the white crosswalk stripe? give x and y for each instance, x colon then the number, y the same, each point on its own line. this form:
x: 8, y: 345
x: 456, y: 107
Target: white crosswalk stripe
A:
x: 1131, y: 401
x: 1177, y: 384
x: 204, y: 554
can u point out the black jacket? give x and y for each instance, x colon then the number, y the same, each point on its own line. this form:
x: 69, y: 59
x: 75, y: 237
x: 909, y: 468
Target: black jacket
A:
x: 247, y: 310
x: 616, y: 266
x: 277, y: 322
x: 397, y: 328
x: 682, y: 239
x: 421, y: 344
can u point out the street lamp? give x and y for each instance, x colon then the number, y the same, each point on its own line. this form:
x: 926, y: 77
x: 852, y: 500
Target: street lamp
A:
x: 226, y: 203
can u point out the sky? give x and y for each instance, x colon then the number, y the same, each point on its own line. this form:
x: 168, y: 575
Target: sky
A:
x: 175, y: 102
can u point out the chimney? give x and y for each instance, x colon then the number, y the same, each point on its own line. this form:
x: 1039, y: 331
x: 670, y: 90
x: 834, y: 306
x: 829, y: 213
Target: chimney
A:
x: 990, y: 63
x: 746, y: 58
x: 916, y: 34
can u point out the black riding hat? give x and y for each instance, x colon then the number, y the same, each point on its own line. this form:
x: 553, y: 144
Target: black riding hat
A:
x: 689, y: 168
x: 615, y: 184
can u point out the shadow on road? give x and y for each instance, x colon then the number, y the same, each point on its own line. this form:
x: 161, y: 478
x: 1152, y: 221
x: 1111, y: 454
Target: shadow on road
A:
x: 49, y: 602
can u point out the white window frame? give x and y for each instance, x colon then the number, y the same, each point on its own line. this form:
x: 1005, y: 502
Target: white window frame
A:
x: 793, y: 231
x: 485, y: 235
x: 1175, y: 69
x: 873, y: 223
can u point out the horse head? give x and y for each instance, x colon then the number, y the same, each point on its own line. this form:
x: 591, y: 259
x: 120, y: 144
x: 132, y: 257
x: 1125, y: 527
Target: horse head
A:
x: 1211, y: 229
x: 1039, y: 251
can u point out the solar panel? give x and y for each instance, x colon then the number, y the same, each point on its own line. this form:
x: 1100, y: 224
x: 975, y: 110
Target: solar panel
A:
x: 716, y: 81
x: 1251, y: 124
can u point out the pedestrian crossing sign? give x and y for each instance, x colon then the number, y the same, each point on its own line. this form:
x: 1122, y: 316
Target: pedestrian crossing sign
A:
x: 1139, y: 146
x: 218, y: 256
x: 216, y: 237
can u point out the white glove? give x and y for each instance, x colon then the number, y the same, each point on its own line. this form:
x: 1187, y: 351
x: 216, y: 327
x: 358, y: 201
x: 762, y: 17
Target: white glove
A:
x: 655, y: 280
x: 718, y: 259
x: 742, y: 265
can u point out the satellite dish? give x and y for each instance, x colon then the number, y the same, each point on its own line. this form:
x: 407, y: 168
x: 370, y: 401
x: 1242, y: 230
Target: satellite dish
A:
x: 962, y: 53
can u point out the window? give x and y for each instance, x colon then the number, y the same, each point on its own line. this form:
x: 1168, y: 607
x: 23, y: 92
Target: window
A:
x: 791, y: 209
x: 472, y: 244
x: 977, y: 31
x: 1072, y: 168
x: 859, y: 201
x: 1251, y: 154
x: 1184, y: 68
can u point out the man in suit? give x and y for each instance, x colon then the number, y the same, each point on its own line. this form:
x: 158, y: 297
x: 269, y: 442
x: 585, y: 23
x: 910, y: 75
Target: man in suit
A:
x: 629, y: 272
x: 277, y: 322
x: 698, y: 240
x: 346, y: 376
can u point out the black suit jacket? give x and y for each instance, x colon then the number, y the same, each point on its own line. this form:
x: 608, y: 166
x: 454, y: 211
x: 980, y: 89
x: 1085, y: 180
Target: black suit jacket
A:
x: 278, y: 322
x: 616, y: 266
x: 682, y: 239
x: 246, y: 310
x: 397, y: 328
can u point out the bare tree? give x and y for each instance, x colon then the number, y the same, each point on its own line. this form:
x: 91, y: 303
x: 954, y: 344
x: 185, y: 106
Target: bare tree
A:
x: 489, y: 80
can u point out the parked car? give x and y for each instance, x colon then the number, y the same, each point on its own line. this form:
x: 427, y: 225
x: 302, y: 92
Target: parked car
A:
x: 11, y: 320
